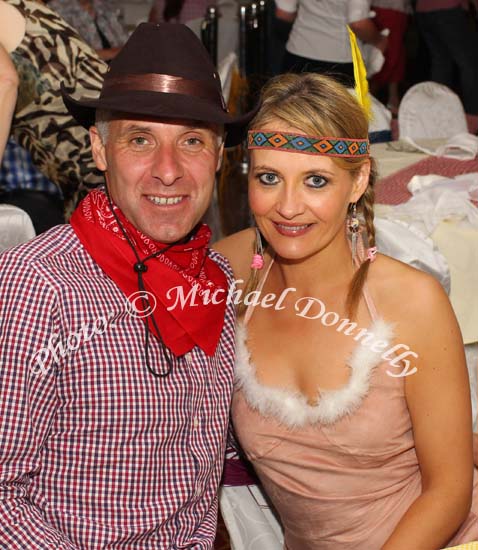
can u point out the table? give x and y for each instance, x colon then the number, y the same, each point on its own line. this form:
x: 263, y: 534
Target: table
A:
x: 393, y: 156
x: 396, y: 168
x: 458, y: 244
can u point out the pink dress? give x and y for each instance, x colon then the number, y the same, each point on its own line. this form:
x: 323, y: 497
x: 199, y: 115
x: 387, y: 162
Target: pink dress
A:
x: 342, y: 473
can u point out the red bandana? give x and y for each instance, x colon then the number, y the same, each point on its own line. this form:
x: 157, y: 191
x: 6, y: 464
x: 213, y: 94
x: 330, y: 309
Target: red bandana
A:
x: 179, y: 270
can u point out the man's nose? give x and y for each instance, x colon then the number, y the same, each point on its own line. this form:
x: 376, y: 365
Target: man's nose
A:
x: 290, y: 202
x: 167, y: 164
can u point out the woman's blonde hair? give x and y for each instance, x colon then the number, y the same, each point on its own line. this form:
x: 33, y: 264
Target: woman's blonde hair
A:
x: 318, y: 105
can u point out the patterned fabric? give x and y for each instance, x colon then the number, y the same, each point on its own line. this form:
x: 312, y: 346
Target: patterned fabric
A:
x: 298, y: 143
x: 18, y: 172
x: 96, y: 452
x: 169, y: 273
x: 393, y: 188
x: 52, y: 52
x: 108, y: 21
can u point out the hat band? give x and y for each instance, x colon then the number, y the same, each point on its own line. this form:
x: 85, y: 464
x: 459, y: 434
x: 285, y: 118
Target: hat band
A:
x: 298, y: 143
x: 163, y: 83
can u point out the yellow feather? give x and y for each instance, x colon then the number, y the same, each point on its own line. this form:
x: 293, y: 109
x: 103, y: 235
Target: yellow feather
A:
x: 360, y: 74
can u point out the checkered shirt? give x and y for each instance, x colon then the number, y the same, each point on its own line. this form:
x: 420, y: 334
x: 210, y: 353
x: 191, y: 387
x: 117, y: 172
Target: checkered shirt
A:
x: 18, y: 172
x: 96, y: 452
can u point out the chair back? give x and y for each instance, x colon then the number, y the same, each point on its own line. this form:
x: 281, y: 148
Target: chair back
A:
x: 431, y: 110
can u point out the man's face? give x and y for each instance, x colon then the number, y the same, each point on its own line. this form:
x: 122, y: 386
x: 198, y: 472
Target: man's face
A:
x: 160, y: 174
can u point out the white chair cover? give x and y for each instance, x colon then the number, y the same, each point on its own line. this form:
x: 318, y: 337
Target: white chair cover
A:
x: 15, y: 226
x: 431, y: 110
x: 381, y: 119
x: 226, y: 69
x: 250, y: 522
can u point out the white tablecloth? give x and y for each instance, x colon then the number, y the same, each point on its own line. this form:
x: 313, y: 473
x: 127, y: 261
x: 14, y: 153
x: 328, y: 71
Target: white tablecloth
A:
x: 393, y: 156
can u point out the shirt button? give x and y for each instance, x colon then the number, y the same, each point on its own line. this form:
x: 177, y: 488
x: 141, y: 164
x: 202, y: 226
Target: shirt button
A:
x: 196, y: 422
x: 188, y: 356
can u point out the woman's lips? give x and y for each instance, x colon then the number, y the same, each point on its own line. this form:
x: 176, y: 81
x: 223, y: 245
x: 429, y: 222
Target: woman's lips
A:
x: 292, y: 230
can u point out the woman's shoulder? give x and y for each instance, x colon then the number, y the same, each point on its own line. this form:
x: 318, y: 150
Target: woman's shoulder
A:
x: 401, y: 290
x: 416, y: 305
x: 238, y: 248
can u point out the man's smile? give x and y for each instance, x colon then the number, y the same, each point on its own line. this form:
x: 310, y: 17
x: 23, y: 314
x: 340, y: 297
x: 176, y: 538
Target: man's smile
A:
x: 165, y: 200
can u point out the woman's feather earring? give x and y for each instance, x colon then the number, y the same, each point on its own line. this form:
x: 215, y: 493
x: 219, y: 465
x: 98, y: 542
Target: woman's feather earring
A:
x: 353, y: 225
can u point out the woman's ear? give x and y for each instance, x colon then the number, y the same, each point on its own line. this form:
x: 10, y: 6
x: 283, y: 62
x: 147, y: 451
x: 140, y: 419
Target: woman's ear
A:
x: 360, y: 182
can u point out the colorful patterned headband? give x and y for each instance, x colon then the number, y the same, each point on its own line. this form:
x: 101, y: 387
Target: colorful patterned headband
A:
x: 298, y: 143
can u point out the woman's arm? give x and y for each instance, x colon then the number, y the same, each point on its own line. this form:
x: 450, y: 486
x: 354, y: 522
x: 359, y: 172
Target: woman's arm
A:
x: 286, y: 16
x: 359, y: 20
x: 8, y: 96
x: 12, y: 30
x: 438, y: 398
x: 367, y: 32
x: 286, y: 10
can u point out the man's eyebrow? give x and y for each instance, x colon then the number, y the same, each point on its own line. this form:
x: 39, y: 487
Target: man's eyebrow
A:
x: 137, y: 128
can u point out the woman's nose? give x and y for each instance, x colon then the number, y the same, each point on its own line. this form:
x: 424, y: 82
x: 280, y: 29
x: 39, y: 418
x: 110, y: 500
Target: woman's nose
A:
x: 290, y: 203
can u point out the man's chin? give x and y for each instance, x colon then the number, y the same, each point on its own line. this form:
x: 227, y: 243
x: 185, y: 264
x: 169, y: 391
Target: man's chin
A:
x: 167, y: 235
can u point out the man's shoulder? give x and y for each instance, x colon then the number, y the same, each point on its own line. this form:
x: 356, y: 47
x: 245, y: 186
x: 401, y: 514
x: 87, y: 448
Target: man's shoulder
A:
x: 49, y: 249
x: 222, y: 262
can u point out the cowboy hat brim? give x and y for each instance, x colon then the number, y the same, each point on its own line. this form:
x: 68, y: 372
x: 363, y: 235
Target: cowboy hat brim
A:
x: 160, y: 105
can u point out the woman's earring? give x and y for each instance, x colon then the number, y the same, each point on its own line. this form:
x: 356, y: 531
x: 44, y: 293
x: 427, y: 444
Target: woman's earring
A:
x: 353, y: 225
x: 258, y: 258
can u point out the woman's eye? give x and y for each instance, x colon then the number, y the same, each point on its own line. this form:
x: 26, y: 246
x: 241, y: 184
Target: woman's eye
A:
x: 316, y: 181
x: 268, y: 178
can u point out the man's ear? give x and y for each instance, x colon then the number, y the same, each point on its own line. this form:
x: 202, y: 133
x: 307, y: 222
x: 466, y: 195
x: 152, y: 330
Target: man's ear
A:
x: 360, y: 182
x: 220, y: 157
x: 98, y: 149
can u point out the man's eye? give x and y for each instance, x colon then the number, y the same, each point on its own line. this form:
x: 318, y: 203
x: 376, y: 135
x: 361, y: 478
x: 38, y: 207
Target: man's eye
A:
x: 316, y: 181
x: 268, y: 178
x: 193, y: 141
x: 139, y: 140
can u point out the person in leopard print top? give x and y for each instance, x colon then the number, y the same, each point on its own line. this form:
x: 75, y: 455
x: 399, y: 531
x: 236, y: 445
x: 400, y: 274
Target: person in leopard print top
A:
x: 38, y: 50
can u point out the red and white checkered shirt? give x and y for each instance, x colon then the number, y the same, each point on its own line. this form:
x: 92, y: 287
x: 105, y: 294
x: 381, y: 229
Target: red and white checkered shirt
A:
x: 96, y: 452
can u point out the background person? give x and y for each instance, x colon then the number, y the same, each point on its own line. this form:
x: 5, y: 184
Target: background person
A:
x: 98, y: 22
x: 38, y: 50
x: 178, y: 11
x: 392, y: 15
x: 452, y: 44
x: 319, y: 39
x: 344, y: 439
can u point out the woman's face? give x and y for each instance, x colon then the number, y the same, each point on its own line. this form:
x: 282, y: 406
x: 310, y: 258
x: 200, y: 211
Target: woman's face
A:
x: 300, y: 201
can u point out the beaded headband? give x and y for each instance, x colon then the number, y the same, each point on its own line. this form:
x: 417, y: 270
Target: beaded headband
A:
x: 298, y: 143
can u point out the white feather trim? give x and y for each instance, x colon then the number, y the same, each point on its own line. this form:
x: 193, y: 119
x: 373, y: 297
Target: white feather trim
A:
x: 291, y: 407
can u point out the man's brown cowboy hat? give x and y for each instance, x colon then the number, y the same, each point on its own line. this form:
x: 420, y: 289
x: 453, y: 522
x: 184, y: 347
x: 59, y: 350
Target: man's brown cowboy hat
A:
x: 162, y: 71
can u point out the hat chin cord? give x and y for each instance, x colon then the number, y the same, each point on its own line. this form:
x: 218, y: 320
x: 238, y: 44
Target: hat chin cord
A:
x: 140, y: 267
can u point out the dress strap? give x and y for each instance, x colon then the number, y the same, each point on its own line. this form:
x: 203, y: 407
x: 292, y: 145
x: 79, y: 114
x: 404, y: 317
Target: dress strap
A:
x: 250, y: 307
x: 370, y: 304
